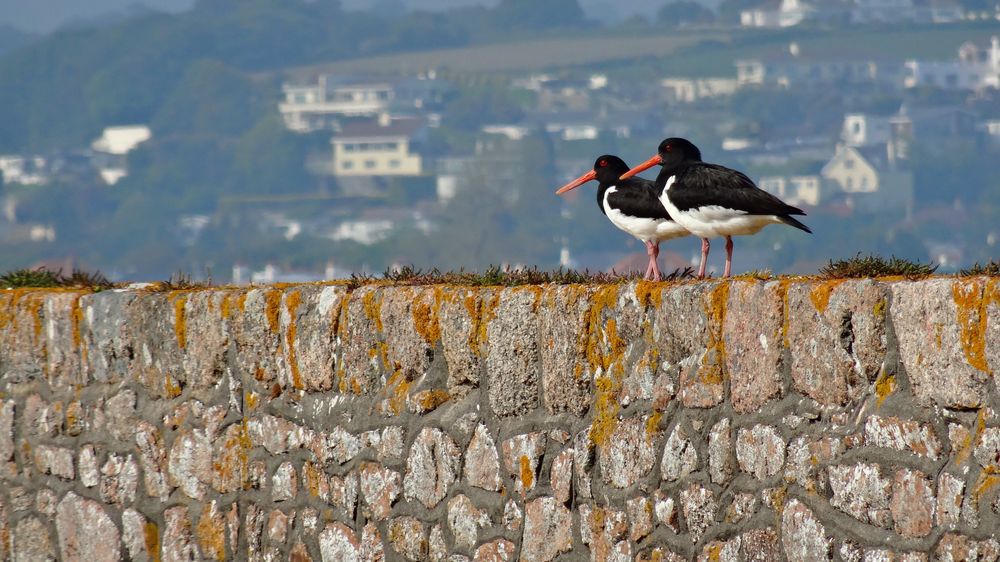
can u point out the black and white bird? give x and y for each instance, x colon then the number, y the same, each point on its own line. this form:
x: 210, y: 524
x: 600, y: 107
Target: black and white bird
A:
x: 633, y: 205
x: 711, y: 200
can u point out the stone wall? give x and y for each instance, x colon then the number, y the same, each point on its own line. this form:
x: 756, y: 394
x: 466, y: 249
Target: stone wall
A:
x: 745, y: 420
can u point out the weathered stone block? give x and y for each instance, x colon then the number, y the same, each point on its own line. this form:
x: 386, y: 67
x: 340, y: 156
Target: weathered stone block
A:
x: 522, y: 457
x: 679, y: 456
x: 753, y: 330
x: 565, y: 322
x: 760, y: 450
x: 482, y: 466
x: 912, y: 504
x: 836, y: 331
x: 512, y: 360
x: 431, y: 467
x: 629, y: 453
x: 902, y: 435
x: 941, y: 340
x: 548, y: 527
x: 860, y: 491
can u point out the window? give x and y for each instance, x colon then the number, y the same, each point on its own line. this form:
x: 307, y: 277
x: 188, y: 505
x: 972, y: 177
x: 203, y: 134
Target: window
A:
x: 346, y: 165
x: 348, y: 147
x: 369, y: 164
x: 849, y: 184
x: 393, y: 163
x: 849, y: 164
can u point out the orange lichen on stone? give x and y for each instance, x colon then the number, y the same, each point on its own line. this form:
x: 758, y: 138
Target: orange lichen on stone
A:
x: 251, y: 399
x: 272, y: 310
x: 428, y: 400
x: 821, y: 293
x: 971, y: 300
x: 427, y: 317
x: 37, y: 303
x: 884, y: 386
x: 170, y: 388
x: 225, y: 307
x: 988, y: 478
x: 372, y: 304
x: 211, y: 535
x: 653, y: 424
x: 527, y: 475
x: 481, y: 312
x: 608, y: 364
x: 649, y: 293
x: 151, y: 535
x: 292, y: 302
x: 712, y: 370
x: 241, y: 302
x: 397, y: 388
x: 76, y: 318
x: 179, y: 301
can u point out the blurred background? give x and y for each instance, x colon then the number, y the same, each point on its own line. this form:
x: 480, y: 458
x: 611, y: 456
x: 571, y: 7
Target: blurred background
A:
x: 293, y: 140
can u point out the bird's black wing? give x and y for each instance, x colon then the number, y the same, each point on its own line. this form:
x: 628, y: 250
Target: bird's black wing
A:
x: 703, y: 185
x: 636, y: 197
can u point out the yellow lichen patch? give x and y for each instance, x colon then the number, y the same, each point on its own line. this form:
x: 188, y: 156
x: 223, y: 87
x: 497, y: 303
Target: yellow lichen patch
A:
x: 782, y: 293
x: 535, y: 290
x: 170, y: 388
x: 372, y: 304
x: 653, y: 424
x: 821, y: 293
x: 292, y: 302
x: 481, y: 313
x: 988, y: 478
x: 971, y: 300
x: 36, y: 313
x: 397, y: 388
x: 427, y: 317
x: 211, y: 535
x: 879, y: 309
x: 226, y: 307
x: 76, y: 318
x: 251, y: 399
x: 241, y: 302
x: 272, y: 310
x: 428, y: 400
x: 715, y: 552
x: 527, y: 475
x: 712, y: 369
x: 649, y: 293
x: 606, y: 408
x: 179, y: 301
x: 609, y: 383
x: 884, y: 386
x: 151, y: 536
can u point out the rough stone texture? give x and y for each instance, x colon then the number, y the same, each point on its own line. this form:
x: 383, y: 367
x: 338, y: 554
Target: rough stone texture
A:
x: 938, y: 324
x: 754, y: 346
x: 721, y: 420
x: 836, y: 332
x: 912, y: 503
x: 803, y: 537
x: 512, y: 361
x: 902, y: 435
x: 482, y: 466
x: 628, y: 454
x: 86, y: 532
x: 760, y: 451
x: 522, y: 456
x: 548, y: 530
x: 860, y: 491
x: 431, y: 467
x: 679, y: 456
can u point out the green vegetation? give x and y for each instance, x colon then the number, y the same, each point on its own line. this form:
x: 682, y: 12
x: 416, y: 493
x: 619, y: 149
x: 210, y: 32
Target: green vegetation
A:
x: 991, y: 268
x: 43, y: 278
x: 876, y: 266
x: 509, y: 277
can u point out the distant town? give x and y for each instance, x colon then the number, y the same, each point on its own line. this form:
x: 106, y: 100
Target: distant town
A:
x: 396, y: 163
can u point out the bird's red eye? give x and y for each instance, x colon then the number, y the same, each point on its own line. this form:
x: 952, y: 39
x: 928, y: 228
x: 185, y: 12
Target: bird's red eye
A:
x: 602, y: 163
x: 668, y: 148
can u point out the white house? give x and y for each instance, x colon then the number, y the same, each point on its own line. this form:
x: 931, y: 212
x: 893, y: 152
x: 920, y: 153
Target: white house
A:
x: 788, y: 13
x: 112, y: 146
x: 23, y: 170
x: 976, y: 68
x: 796, y: 190
x: 312, y: 106
x: 688, y: 90
x: 380, y: 147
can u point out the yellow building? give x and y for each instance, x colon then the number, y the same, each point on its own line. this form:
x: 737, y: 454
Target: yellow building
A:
x: 377, y: 148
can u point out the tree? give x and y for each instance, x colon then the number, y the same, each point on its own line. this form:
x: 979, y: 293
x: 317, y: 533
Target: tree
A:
x: 210, y: 98
x: 531, y: 15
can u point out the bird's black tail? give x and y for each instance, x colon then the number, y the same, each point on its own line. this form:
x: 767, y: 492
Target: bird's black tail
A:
x: 792, y: 222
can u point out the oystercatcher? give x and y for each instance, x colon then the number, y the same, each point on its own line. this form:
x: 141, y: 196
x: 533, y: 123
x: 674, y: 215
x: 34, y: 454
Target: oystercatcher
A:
x: 632, y: 205
x: 711, y: 200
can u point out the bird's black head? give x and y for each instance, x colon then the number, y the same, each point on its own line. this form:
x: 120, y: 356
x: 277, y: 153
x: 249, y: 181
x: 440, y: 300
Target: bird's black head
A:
x: 609, y: 167
x: 675, y: 150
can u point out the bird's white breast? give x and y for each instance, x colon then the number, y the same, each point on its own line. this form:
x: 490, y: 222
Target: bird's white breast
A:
x: 642, y: 228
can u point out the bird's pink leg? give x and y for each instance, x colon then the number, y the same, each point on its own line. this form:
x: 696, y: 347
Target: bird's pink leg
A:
x: 704, y: 258
x: 729, y: 255
x: 651, y: 250
x: 654, y: 257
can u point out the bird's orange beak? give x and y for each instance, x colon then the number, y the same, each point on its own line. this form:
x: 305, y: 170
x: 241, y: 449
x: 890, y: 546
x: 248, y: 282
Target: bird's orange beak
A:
x: 589, y: 176
x: 644, y: 166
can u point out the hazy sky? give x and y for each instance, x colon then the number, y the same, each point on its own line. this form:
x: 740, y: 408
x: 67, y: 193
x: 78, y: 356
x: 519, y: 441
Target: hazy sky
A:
x: 46, y: 15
